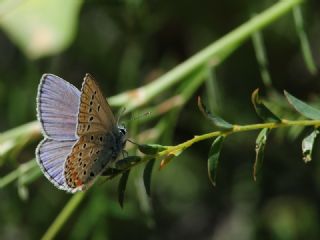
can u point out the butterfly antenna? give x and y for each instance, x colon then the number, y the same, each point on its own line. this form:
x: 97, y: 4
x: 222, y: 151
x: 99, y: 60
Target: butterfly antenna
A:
x: 129, y: 140
x: 120, y: 114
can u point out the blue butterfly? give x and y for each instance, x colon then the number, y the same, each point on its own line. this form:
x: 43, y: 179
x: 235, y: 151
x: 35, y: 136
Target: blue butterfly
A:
x: 81, y: 136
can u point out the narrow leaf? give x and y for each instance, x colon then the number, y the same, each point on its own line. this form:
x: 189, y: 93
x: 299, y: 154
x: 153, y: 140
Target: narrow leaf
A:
x: 215, y: 120
x: 127, y: 162
x: 263, y: 112
x: 151, y: 149
x: 260, y: 146
x: 122, y: 187
x: 111, y: 172
x: 213, y: 159
x: 303, y: 108
x: 304, y: 43
x: 147, y: 175
x: 307, y: 145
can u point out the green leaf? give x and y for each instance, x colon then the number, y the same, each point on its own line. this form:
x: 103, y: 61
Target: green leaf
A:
x: 307, y: 145
x: 41, y: 28
x: 151, y: 149
x: 303, y: 108
x: 263, y: 112
x: 260, y: 146
x: 215, y: 120
x: 127, y: 162
x: 147, y: 175
x: 122, y: 187
x: 213, y: 159
x: 111, y: 172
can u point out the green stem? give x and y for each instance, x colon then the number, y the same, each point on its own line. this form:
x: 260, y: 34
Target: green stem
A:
x: 21, y: 170
x: 214, y: 53
x: 64, y: 215
x: 239, y: 128
x: 305, y: 46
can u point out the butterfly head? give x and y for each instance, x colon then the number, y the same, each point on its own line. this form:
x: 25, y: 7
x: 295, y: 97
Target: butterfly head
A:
x: 123, y: 134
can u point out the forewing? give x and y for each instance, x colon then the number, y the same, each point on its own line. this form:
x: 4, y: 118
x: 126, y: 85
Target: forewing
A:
x: 88, y: 159
x: 95, y: 115
x: 57, y: 107
x: 51, y: 156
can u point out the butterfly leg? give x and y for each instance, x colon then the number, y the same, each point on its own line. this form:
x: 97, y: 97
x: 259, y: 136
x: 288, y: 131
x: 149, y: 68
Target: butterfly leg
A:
x: 124, y: 153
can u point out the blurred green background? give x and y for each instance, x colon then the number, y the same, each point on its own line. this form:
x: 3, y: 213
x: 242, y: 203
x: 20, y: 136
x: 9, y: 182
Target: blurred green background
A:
x: 126, y: 44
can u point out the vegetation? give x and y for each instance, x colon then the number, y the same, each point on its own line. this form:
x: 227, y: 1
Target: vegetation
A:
x: 195, y: 69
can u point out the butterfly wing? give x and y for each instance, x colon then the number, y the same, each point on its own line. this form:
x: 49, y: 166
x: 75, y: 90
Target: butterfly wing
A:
x: 95, y: 115
x: 51, y: 155
x: 89, y: 157
x: 57, y: 107
x: 94, y: 149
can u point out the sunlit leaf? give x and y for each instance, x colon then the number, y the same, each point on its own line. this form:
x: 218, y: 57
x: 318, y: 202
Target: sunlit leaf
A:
x: 147, y: 175
x: 303, y: 108
x: 151, y: 149
x: 41, y: 28
x: 213, y: 159
x: 260, y: 146
x: 122, y: 187
x: 215, y: 120
x: 127, y: 162
x: 263, y: 112
x: 307, y: 145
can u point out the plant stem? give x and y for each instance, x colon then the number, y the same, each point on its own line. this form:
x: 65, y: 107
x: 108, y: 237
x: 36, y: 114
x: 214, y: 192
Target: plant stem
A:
x: 238, y: 128
x: 21, y: 170
x: 63, y: 215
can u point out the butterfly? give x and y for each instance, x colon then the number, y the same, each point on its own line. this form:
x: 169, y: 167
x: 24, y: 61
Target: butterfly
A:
x: 81, y: 136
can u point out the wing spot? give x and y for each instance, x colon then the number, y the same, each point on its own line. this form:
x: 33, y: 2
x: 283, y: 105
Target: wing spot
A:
x: 84, y: 172
x: 98, y: 108
x: 100, y: 139
x: 80, y: 154
x: 90, y: 110
x: 91, y: 118
x: 84, y: 145
x: 88, y: 127
x: 91, y: 103
x: 91, y: 137
x: 92, y: 97
x: 84, y: 165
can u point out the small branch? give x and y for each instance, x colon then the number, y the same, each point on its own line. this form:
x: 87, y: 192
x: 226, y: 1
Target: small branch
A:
x: 171, y: 150
x: 239, y: 128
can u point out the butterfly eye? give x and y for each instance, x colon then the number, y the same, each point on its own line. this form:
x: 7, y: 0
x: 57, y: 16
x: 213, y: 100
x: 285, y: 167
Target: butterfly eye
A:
x: 123, y: 131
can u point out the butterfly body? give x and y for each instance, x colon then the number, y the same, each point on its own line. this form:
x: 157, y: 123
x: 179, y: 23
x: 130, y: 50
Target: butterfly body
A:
x: 82, y: 137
